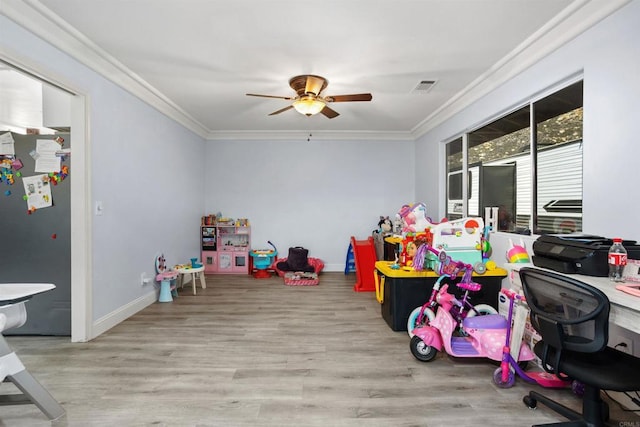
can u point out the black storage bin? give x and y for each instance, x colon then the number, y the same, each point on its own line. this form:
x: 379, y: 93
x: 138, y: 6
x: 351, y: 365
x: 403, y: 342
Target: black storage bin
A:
x: 406, y: 290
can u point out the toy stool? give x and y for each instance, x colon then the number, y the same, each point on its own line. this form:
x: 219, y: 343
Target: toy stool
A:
x: 167, y: 279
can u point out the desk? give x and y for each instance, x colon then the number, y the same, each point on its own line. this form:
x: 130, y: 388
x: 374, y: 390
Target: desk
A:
x: 625, y: 308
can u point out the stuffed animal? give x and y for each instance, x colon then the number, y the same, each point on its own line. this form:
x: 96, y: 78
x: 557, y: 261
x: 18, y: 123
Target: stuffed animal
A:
x: 414, y: 218
x: 384, y: 225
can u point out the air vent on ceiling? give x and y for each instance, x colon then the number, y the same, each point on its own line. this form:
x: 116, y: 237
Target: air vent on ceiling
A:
x: 424, y: 86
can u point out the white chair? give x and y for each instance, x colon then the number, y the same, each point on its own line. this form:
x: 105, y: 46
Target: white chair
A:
x: 13, y: 314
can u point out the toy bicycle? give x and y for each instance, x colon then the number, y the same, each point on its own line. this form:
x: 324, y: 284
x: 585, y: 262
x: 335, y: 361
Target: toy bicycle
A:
x: 504, y: 376
x: 481, y: 336
x: 421, y: 315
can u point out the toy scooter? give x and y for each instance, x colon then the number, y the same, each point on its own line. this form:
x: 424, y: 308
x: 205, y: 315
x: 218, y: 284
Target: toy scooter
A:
x: 504, y: 376
x: 481, y: 336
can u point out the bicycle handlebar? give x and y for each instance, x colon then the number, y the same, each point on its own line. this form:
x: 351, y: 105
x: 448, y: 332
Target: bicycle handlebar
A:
x: 511, y: 294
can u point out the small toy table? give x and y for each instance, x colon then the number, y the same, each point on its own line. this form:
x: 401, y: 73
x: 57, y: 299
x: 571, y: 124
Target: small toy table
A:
x: 194, y: 271
x: 299, y: 278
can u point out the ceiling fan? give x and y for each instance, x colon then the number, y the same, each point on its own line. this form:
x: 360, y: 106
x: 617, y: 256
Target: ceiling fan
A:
x: 309, y: 99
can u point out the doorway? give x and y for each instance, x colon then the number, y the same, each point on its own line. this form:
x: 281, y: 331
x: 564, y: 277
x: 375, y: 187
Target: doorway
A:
x: 77, y: 250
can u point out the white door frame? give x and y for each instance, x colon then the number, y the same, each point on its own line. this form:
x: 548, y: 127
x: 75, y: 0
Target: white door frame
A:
x: 81, y: 220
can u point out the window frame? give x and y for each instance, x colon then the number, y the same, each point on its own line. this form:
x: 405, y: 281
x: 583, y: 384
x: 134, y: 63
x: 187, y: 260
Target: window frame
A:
x: 530, y: 103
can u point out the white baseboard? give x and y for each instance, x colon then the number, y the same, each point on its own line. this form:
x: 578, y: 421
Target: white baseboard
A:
x: 107, y: 322
x: 333, y: 267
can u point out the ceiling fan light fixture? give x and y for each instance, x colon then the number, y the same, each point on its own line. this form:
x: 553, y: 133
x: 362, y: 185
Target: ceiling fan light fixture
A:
x: 308, y: 99
x: 308, y: 105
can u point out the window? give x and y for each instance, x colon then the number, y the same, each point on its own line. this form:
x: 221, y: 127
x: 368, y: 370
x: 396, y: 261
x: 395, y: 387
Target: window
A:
x: 528, y: 163
x: 454, y: 179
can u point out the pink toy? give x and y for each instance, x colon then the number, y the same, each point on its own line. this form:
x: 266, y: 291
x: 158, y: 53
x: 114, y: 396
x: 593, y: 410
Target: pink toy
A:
x: 480, y: 336
x: 414, y: 219
x: 166, y: 278
x: 504, y: 376
x: 517, y: 253
x: 425, y: 313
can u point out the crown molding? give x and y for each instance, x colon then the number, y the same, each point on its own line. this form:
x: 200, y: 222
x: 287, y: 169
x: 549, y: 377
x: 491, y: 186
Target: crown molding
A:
x: 41, y: 21
x: 564, y: 27
x: 572, y: 21
x: 310, y: 135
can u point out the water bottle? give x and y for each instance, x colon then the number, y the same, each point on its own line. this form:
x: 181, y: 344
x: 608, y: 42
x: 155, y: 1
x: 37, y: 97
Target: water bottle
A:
x: 617, y: 260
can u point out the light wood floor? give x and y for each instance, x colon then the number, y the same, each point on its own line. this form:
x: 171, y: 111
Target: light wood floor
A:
x: 253, y: 352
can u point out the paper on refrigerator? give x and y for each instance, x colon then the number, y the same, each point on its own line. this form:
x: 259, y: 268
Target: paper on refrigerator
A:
x: 38, y: 191
x: 7, y: 145
x: 47, y: 160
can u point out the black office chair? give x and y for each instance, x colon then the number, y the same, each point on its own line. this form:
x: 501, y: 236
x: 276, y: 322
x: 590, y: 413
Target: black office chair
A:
x: 573, y: 319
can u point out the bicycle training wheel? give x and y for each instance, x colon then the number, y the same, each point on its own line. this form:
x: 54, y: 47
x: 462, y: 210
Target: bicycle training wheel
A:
x: 413, y: 319
x: 481, y: 310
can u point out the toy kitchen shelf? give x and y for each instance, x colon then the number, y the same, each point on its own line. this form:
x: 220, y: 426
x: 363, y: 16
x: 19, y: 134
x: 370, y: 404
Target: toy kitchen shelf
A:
x: 225, y: 247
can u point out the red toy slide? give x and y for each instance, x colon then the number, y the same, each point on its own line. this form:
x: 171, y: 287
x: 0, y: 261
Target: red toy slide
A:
x: 364, y: 253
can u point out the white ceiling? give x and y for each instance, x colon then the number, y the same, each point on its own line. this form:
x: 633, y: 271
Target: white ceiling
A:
x: 20, y: 100
x: 200, y: 57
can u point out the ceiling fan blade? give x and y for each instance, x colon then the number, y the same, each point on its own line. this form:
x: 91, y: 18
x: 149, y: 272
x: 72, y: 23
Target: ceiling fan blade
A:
x: 328, y: 112
x: 315, y: 84
x: 288, y: 98
x: 349, y: 98
x: 281, y: 110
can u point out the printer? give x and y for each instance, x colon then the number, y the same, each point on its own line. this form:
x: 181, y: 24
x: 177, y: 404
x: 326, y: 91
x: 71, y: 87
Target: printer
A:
x: 577, y: 253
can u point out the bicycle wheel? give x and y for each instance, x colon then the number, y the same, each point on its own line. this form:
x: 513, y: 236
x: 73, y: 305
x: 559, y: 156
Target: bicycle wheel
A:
x: 429, y: 315
x: 422, y: 351
x: 481, y: 310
